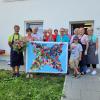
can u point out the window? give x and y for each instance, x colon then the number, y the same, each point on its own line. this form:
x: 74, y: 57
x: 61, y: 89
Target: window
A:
x: 35, y: 23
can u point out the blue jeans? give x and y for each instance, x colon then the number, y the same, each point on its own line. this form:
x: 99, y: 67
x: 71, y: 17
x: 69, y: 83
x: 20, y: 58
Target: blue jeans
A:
x: 83, y: 69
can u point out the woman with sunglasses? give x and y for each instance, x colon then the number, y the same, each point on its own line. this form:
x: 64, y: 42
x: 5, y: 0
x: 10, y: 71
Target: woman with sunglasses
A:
x: 62, y: 37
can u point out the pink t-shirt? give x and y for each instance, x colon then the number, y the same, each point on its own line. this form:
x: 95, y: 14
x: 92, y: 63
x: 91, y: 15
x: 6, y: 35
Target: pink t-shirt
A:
x: 29, y: 38
x: 84, y: 39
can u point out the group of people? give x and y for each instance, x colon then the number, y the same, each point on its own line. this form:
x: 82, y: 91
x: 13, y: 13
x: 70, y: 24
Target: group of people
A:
x: 82, y: 50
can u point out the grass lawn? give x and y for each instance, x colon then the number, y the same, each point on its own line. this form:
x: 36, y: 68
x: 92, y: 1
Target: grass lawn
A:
x: 42, y: 87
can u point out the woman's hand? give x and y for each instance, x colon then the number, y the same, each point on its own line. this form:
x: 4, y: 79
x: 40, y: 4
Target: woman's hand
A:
x: 85, y: 52
x: 79, y: 58
x: 96, y: 52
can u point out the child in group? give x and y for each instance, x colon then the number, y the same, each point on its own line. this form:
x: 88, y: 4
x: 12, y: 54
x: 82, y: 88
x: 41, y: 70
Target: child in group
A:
x: 75, y: 57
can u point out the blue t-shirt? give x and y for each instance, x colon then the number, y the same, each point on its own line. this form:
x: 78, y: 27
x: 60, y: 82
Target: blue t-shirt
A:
x: 64, y: 38
x: 93, y: 38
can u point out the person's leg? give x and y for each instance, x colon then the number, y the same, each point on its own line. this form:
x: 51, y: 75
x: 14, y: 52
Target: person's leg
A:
x: 17, y: 71
x: 85, y: 69
x: 81, y: 69
x: 77, y: 68
x: 94, y: 66
x: 94, y: 72
x: 29, y: 75
x: 13, y: 71
x: 88, y: 65
x: 77, y: 73
x: 71, y: 63
x: 88, y: 68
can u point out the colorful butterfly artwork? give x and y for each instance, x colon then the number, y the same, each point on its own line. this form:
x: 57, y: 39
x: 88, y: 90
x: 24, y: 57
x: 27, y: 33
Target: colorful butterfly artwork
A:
x: 48, y: 56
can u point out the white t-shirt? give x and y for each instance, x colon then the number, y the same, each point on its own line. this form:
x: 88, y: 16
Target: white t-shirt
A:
x: 75, y: 50
x: 36, y: 37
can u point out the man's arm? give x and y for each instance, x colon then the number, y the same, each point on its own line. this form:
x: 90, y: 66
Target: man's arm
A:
x: 9, y: 41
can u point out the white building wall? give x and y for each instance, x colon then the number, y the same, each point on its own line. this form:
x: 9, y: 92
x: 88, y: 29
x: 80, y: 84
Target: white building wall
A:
x: 55, y: 13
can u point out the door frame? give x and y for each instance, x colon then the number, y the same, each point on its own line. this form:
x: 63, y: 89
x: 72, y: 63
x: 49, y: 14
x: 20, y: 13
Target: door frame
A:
x: 78, y: 22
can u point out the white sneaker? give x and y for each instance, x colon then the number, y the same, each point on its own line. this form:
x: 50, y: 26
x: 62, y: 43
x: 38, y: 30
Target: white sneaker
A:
x: 94, y: 72
x: 88, y: 70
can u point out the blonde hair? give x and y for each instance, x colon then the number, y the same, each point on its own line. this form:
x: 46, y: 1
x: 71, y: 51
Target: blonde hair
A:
x: 76, y: 29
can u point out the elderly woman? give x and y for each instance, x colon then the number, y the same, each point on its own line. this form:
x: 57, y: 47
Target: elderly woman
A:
x: 36, y: 36
x: 83, y: 39
x: 62, y: 37
x: 49, y: 34
x: 45, y: 37
x: 16, y: 58
x: 66, y: 33
x: 92, y: 53
x: 76, y: 32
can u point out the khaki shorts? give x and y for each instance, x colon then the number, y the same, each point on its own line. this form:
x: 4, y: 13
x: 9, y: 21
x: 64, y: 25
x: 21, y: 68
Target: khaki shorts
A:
x: 73, y: 63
